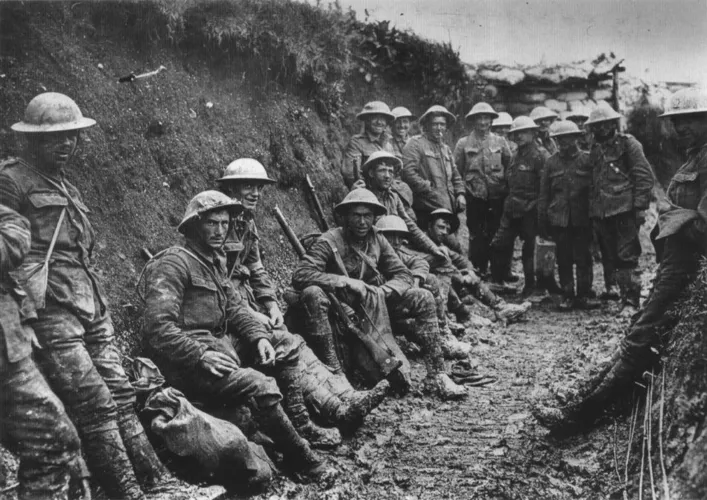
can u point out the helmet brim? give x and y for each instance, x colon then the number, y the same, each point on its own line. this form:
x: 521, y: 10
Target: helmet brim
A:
x: 679, y: 112
x: 369, y: 164
x: 236, y: 178
x: 560, y: 134
x: 342, y: 207
x: 365, y: 114
x: 453, y: 220
x: 452, y: 119
x: 30, y: 128
x: 471, y: 116
x: 234, y: 208
x: 523, y: 129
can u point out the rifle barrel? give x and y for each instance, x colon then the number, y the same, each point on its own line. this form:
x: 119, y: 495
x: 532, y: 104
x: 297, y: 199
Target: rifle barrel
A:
x: 289, y: 233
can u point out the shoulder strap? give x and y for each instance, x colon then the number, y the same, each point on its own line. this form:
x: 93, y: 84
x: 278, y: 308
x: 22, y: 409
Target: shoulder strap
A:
x: 55, y: 236
x: 337, y: 257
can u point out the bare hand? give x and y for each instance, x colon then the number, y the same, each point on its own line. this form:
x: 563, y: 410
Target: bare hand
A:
x: 461, y: 203
x: 356, y: 287
x: 217, y: 363
x: 359, y: 184
x: 276, y: 317
x: 266, y: 352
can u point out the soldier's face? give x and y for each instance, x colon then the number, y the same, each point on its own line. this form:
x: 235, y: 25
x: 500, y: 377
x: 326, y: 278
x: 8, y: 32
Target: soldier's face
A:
x: 578, y: 120
x: 395, y: 239
x: 382, y: 176
x: 53, y: 150
x: 691, y: 130
x: 604, y: 130
x: 482, y: 123
x: 402, y: 127
x: 545, y: 123
x: 359, y: 220
x: 439, y: 228
x: 523, y: 137
x: 566, y: 142
x: 502, y: 131
x: 436, y: 128
x: 376, y: 124
x: 213, y: 227
x: 248, y: 193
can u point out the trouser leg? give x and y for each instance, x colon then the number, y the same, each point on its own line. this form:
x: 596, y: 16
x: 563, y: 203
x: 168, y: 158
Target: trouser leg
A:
x: 607, y: 259
x: 66, y: 361
x: 33, y: 425
x: 320, y: 336
x: 502, y: 244
x: 565, y: 260
x: 440, y: 294
x: 581, y: 243
x: 476, y: 220
x: 529, y: 231
x: 418, y: 304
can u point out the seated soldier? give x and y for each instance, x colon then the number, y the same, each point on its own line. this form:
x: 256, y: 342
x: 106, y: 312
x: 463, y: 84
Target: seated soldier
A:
x: 205, y: 341
x: 361, y: 267
x: 396, y: 232
x: 456, y: 273
x: 244, y: 180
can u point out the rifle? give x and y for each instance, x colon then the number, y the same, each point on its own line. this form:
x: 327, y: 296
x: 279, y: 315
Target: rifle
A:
x: 317, y: 206
x: 383, y: 358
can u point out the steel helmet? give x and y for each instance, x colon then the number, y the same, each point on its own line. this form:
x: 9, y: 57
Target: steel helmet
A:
x: 443, y: 213
x: 480, y: 108
x: 205, y: 202
x: 246, y: 169
x: 602, y: 113
x: 375, y: 108
x: 522, y: 123
x: 542, y: 113
x: 361, y: 196
x: 392, y: 224
x: 401, y: 112
x: 503, y: 120
x: 564, y: 127
x: 438, y: 110
x: 686, y: 102
x: 380, y: 157
x: 52, y: 112
x: 577, y: 113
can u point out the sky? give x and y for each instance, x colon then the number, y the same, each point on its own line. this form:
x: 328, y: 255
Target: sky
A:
x: 659, y: 40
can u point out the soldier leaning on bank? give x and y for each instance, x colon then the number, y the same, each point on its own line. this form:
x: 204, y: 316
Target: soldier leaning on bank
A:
x: 501, y: 126
x: 563, y: 214
x: 483, y: 159
x: 78, y: 356
x: 621, y: 192
x: 32, y: 419
x: 544, y: 118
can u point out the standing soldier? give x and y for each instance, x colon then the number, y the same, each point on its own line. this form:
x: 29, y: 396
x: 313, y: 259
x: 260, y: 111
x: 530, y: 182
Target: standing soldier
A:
x: 376, y: 118
x: 621, y: 192
x: 501, y: 126
x: 579, y: 117
x: 520, y: 216
x: 429, y: 169
x: 683, y: 229
x: 74, y: 328
x: 563, y: 213
x: 33, y: 422
x: 483, y: 159
x: 244, y: 180
x: 205, y: 340
x: 359, y: 263
x: 401, y: 130
x: 543, y: 118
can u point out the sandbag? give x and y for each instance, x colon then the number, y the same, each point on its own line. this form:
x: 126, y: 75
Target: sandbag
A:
x: 219, y: 447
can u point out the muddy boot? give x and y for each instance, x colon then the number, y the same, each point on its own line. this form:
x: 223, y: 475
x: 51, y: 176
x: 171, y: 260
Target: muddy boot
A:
x: 318, y: 437
x: 585, y: 303
x: 149, y: 469
x: 361, y: 403
x: 452, y: 348
x: 113, y: 471
x: 297, y: 453
x: 442, y: 386
x: 611, y: 293
x: 509, y: 313
x: 566, y: 304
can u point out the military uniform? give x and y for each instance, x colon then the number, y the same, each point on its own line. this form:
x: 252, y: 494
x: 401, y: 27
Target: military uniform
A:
x: 621, y: 186
x: 483, y: 164
x: 544, y: 141
x: 391, y: 297
x: 78, y: 355
x: 563, y: 213
x: 520, y: 212
x: 33, y: 423
x: 429, y: 170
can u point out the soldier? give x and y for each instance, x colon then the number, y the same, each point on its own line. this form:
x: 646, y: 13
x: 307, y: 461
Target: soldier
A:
x: 401, y: 129
x: 429, y: 169
x: 563, y: 213
x: 457, y: 274
x: 359, y: 263
x: 376, y: 118
x: 520, y: 217
x: 621, y: 192
x: 501, y: 126
x: 204, y: 339
x: 397, y: 233
x: 483, y: 159
x: 78, y: 356
x: 579, y: 117
x: 543, y: 118
x: 683, y: 230
x: 33, y: 422
x: 244, y: 180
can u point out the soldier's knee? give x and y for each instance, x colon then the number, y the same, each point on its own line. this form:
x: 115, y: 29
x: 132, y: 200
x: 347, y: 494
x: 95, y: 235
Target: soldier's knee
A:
x: 420, y: 301
x: 264, y: 391
x: 314, y: 299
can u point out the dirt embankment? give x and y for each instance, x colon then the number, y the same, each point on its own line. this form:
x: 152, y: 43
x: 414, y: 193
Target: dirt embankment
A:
x: 160, y: 140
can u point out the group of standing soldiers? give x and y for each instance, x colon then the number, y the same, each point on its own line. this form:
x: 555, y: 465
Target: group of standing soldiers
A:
x: 212, y: 322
